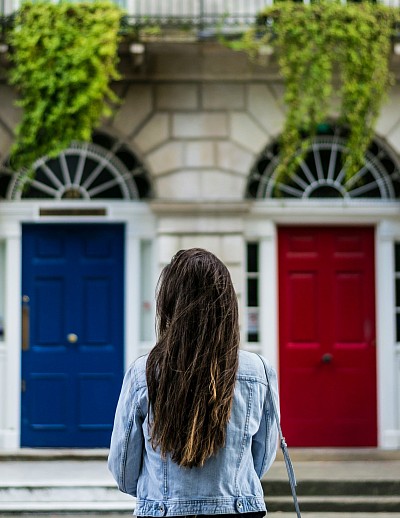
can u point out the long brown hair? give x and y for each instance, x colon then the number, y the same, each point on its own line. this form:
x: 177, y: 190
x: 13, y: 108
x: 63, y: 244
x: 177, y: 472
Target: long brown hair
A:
x: 191, y: 371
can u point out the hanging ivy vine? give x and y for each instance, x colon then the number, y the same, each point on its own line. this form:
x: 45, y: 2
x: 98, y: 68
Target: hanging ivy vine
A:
x: 64, y: 57
x: 327, y: 48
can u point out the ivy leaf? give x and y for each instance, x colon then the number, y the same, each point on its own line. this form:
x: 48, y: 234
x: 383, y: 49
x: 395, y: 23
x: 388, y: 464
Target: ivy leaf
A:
x: 64, y: 58
x: 311, y: 41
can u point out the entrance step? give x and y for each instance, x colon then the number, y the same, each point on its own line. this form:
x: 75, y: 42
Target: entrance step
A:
x: 40, y: 499
x: 77, y: 484
x: 339, y: 504
x: 39, y: 484
x: 337, y: 481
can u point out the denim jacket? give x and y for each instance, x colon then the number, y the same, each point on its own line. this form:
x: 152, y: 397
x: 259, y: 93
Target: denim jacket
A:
x: 229, y: 481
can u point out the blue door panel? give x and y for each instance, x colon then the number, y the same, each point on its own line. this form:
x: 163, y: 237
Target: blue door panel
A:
x: 48, y: 312
x: 97, y: 326
x: 45, y: 389
x: 73, y: 276
x: 94, y: 412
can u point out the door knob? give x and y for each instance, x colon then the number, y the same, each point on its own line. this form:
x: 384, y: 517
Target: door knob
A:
x: 326, y: 358
x: 72, y: 338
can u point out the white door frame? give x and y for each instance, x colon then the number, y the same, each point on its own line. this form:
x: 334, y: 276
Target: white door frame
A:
x: 261, y: 225
x: 139, y: 225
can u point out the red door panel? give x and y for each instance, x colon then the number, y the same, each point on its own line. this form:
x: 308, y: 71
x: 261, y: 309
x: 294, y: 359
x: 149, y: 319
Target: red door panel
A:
x: 327, y: 336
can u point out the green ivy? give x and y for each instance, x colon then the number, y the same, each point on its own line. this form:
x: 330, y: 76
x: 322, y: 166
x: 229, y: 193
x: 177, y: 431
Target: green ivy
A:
x: 327, y: 48
x: 64, y: 57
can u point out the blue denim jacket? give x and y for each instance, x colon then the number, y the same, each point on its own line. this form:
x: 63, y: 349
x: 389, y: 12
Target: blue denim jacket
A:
x: 229, y: 482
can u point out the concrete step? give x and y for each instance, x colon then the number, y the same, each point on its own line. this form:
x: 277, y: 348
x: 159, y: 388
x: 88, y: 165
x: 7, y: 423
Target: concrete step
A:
x: 318, y: 487
x: 14, y: 494
x: 338, y: 504
x: 77, y: 484
x: 50, y: 499
x: 38, y: 500
x: 356, y: 486
x: 297, y: 454
x: 46, y: 486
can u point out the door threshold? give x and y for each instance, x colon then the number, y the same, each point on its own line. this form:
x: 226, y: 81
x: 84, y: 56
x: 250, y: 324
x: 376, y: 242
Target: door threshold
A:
x: 54, y: 454
x: 341, y: 454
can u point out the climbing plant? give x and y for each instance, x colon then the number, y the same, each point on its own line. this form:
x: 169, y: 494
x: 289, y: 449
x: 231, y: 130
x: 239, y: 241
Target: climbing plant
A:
x: 64, y: 56
x: 325, y: 49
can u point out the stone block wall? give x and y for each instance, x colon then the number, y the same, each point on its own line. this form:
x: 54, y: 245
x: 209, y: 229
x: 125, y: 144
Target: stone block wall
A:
x: 199, y: 139
x: 215, y: 233
x: 198, y: 116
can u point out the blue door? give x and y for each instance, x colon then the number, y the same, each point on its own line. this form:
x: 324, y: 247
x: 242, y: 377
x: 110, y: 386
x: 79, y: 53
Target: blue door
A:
x: 72, y: 333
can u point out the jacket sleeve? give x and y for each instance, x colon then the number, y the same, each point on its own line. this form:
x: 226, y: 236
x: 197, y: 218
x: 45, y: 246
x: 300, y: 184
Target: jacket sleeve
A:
x: 265, y: 441
x: 126, y: 448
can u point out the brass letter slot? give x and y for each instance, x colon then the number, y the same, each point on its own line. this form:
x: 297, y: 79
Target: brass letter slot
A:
x: 25, y: 323
x: 72, y: 212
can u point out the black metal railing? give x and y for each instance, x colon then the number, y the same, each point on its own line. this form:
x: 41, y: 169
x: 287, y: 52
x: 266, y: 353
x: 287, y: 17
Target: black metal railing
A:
x: 204, y: 16
x: 197, y: 13
x: 178, y: 12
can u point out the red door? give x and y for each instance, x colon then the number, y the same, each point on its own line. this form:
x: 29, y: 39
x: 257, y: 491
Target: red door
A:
x: 327, y: 336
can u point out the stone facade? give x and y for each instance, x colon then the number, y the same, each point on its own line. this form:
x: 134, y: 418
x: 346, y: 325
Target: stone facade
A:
x: 198, y: 115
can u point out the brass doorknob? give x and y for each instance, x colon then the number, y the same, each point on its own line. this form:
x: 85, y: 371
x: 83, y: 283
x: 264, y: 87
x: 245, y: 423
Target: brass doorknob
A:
x: 72, y: 338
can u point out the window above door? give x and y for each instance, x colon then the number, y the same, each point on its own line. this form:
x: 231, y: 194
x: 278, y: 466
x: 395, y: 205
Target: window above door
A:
x: 320, y: 173
x: 102, y: 169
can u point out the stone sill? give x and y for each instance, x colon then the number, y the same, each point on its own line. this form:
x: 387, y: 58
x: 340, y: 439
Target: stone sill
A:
x: 44, y: 454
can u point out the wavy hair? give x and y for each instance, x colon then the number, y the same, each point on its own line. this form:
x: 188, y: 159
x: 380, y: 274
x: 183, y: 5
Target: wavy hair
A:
x: 191, y: 371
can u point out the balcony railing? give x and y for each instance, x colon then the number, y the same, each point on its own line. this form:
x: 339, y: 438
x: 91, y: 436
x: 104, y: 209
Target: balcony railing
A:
x: 177, y: 12
x: 198, y: 13
x: 192, y: 13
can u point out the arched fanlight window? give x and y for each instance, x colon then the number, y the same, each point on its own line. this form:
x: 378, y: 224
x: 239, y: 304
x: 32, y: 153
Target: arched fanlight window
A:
x: 321, y: 174
x: 103, y: 169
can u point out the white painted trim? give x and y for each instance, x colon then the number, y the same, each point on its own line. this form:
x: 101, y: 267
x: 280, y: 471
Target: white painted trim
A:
x: 243, y: 308
x: 305, y: 212
x: 388, y: 354
x: 10, y: 428
x: 268, y: 294
x: 147, y: 335
x: 132, y: 291
x: 385, y: 336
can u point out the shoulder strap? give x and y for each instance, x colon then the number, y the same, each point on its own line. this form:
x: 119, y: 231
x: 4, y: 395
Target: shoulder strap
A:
x: 284, y: 448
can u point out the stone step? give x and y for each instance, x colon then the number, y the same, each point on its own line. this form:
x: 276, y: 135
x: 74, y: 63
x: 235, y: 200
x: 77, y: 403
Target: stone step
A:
x: 37, y: 499
x: 274, y: 504
x: 272, y: 489
x: 297, y: 454
x: 338, y: 504
x: 65, y: 492
x: 70, y: 498
x: 68, y: 507
x: 275, y: 488
x: 77, y: 484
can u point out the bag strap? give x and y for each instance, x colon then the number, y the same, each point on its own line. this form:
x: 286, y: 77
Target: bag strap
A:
x: 284, y: 448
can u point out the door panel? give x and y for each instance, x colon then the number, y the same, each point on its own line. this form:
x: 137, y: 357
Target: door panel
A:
x: 327, y: 336
x: 73, y: 278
